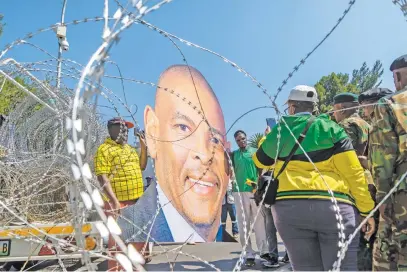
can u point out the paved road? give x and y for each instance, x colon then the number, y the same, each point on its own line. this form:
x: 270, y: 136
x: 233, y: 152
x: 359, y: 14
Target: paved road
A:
x: 222, y: 255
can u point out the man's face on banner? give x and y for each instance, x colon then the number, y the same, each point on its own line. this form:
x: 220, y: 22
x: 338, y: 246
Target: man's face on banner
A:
x: 185, y: 147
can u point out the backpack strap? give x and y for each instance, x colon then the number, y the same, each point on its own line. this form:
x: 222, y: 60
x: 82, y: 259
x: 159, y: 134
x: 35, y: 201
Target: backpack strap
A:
x: 296, y: 145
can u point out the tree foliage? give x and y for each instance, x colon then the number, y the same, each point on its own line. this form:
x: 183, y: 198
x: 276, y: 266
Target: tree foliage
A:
x: 362, y: 80
x: 255, y: 139
x: 365, y: 78
x: 10, y: 94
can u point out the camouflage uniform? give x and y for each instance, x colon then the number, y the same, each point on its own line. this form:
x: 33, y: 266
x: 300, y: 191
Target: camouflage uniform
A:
x: 388, y: 157
x: 385, y: 250
x: 381, y: 260
x: 358, y: 131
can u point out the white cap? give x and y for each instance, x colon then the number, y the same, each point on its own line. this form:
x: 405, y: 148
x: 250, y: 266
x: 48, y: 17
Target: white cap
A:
x: 303, y: 93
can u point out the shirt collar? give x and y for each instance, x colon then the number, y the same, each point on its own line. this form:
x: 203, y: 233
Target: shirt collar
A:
x: 303, y: 113
x: 111, y: 142
x: 180, y: 229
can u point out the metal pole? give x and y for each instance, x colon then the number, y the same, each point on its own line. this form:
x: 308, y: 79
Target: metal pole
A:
x: 59, y: 68
x: 74, y: 194
x: 60, y: 49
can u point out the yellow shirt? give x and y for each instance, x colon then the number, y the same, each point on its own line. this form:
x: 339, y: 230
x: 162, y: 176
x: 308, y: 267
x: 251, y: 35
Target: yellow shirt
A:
x: 121, y: 164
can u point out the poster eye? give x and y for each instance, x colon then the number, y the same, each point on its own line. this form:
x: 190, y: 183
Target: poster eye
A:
x: 215, y: 140
x: 183, y: 127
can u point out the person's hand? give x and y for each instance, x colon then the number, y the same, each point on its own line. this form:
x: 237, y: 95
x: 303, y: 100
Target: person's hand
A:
x: 142, y: 137
x: 369, y: 228
x: 116, y: 207
x: 267, y: 131
x: 251, y: 183
x: 363, y: 161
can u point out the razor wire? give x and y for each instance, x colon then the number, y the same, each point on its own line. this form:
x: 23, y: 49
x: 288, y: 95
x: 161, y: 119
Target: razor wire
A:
x: 243, y: 252
x: 42, y: 126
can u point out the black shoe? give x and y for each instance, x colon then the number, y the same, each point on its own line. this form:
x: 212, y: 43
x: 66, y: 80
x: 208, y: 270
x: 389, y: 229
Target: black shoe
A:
x: 250, y: 262
x: 285, y: 259
x: 273, y: 263
x: 266, y: 257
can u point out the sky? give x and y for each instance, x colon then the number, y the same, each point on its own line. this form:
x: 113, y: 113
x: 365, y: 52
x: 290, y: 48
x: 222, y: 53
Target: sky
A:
x: 267, y: 38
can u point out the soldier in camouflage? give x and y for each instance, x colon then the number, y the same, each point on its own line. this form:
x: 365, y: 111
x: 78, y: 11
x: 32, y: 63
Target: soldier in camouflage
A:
x: 381, y: 259
x: 346, y: 114
x: 388, y: 157
x: 369, y: 98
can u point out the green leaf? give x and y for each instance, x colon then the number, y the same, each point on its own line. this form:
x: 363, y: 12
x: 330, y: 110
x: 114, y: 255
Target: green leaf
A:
x: 255, y: 139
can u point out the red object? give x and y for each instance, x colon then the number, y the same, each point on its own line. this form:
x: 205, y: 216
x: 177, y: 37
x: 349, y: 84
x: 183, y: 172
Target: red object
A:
x: 47, y: 249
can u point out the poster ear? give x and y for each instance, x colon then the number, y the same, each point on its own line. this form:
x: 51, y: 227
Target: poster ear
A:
x: 151, y: 127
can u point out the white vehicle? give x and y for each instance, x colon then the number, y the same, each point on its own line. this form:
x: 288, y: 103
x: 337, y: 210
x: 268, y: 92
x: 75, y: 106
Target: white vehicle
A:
x: 18, y: 249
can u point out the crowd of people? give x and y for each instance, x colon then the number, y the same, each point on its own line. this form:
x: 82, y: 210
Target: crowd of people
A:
x: 324, y: 173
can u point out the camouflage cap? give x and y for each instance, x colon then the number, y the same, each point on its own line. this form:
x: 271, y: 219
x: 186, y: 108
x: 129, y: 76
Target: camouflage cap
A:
x: 345, y: 97
x: 400, y: 62
x: 374, y: 94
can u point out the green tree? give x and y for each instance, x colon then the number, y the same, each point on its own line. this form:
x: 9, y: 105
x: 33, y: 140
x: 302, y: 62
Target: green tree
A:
x: 365, y: 78
x: 10, y: 94
x: 255, y: 139
x: 362, y: 80
x: 331, y: 85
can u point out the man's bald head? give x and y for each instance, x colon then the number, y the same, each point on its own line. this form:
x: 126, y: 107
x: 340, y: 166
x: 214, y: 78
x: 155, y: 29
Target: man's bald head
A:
x: 188, y: 150
x: 181, y: 70
x: 186, y: 81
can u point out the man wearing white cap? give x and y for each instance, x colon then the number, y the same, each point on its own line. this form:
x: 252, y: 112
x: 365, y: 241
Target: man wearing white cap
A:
x: 302, y: 100
x: 302, y: 207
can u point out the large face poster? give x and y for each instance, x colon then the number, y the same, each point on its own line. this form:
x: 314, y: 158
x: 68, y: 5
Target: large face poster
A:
x: 185, y: 135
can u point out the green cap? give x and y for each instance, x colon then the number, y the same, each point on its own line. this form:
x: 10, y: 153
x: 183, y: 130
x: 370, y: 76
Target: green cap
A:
x: 345, y: 97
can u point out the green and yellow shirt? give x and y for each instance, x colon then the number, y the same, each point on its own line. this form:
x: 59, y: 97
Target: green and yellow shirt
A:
x: 331, y: 152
